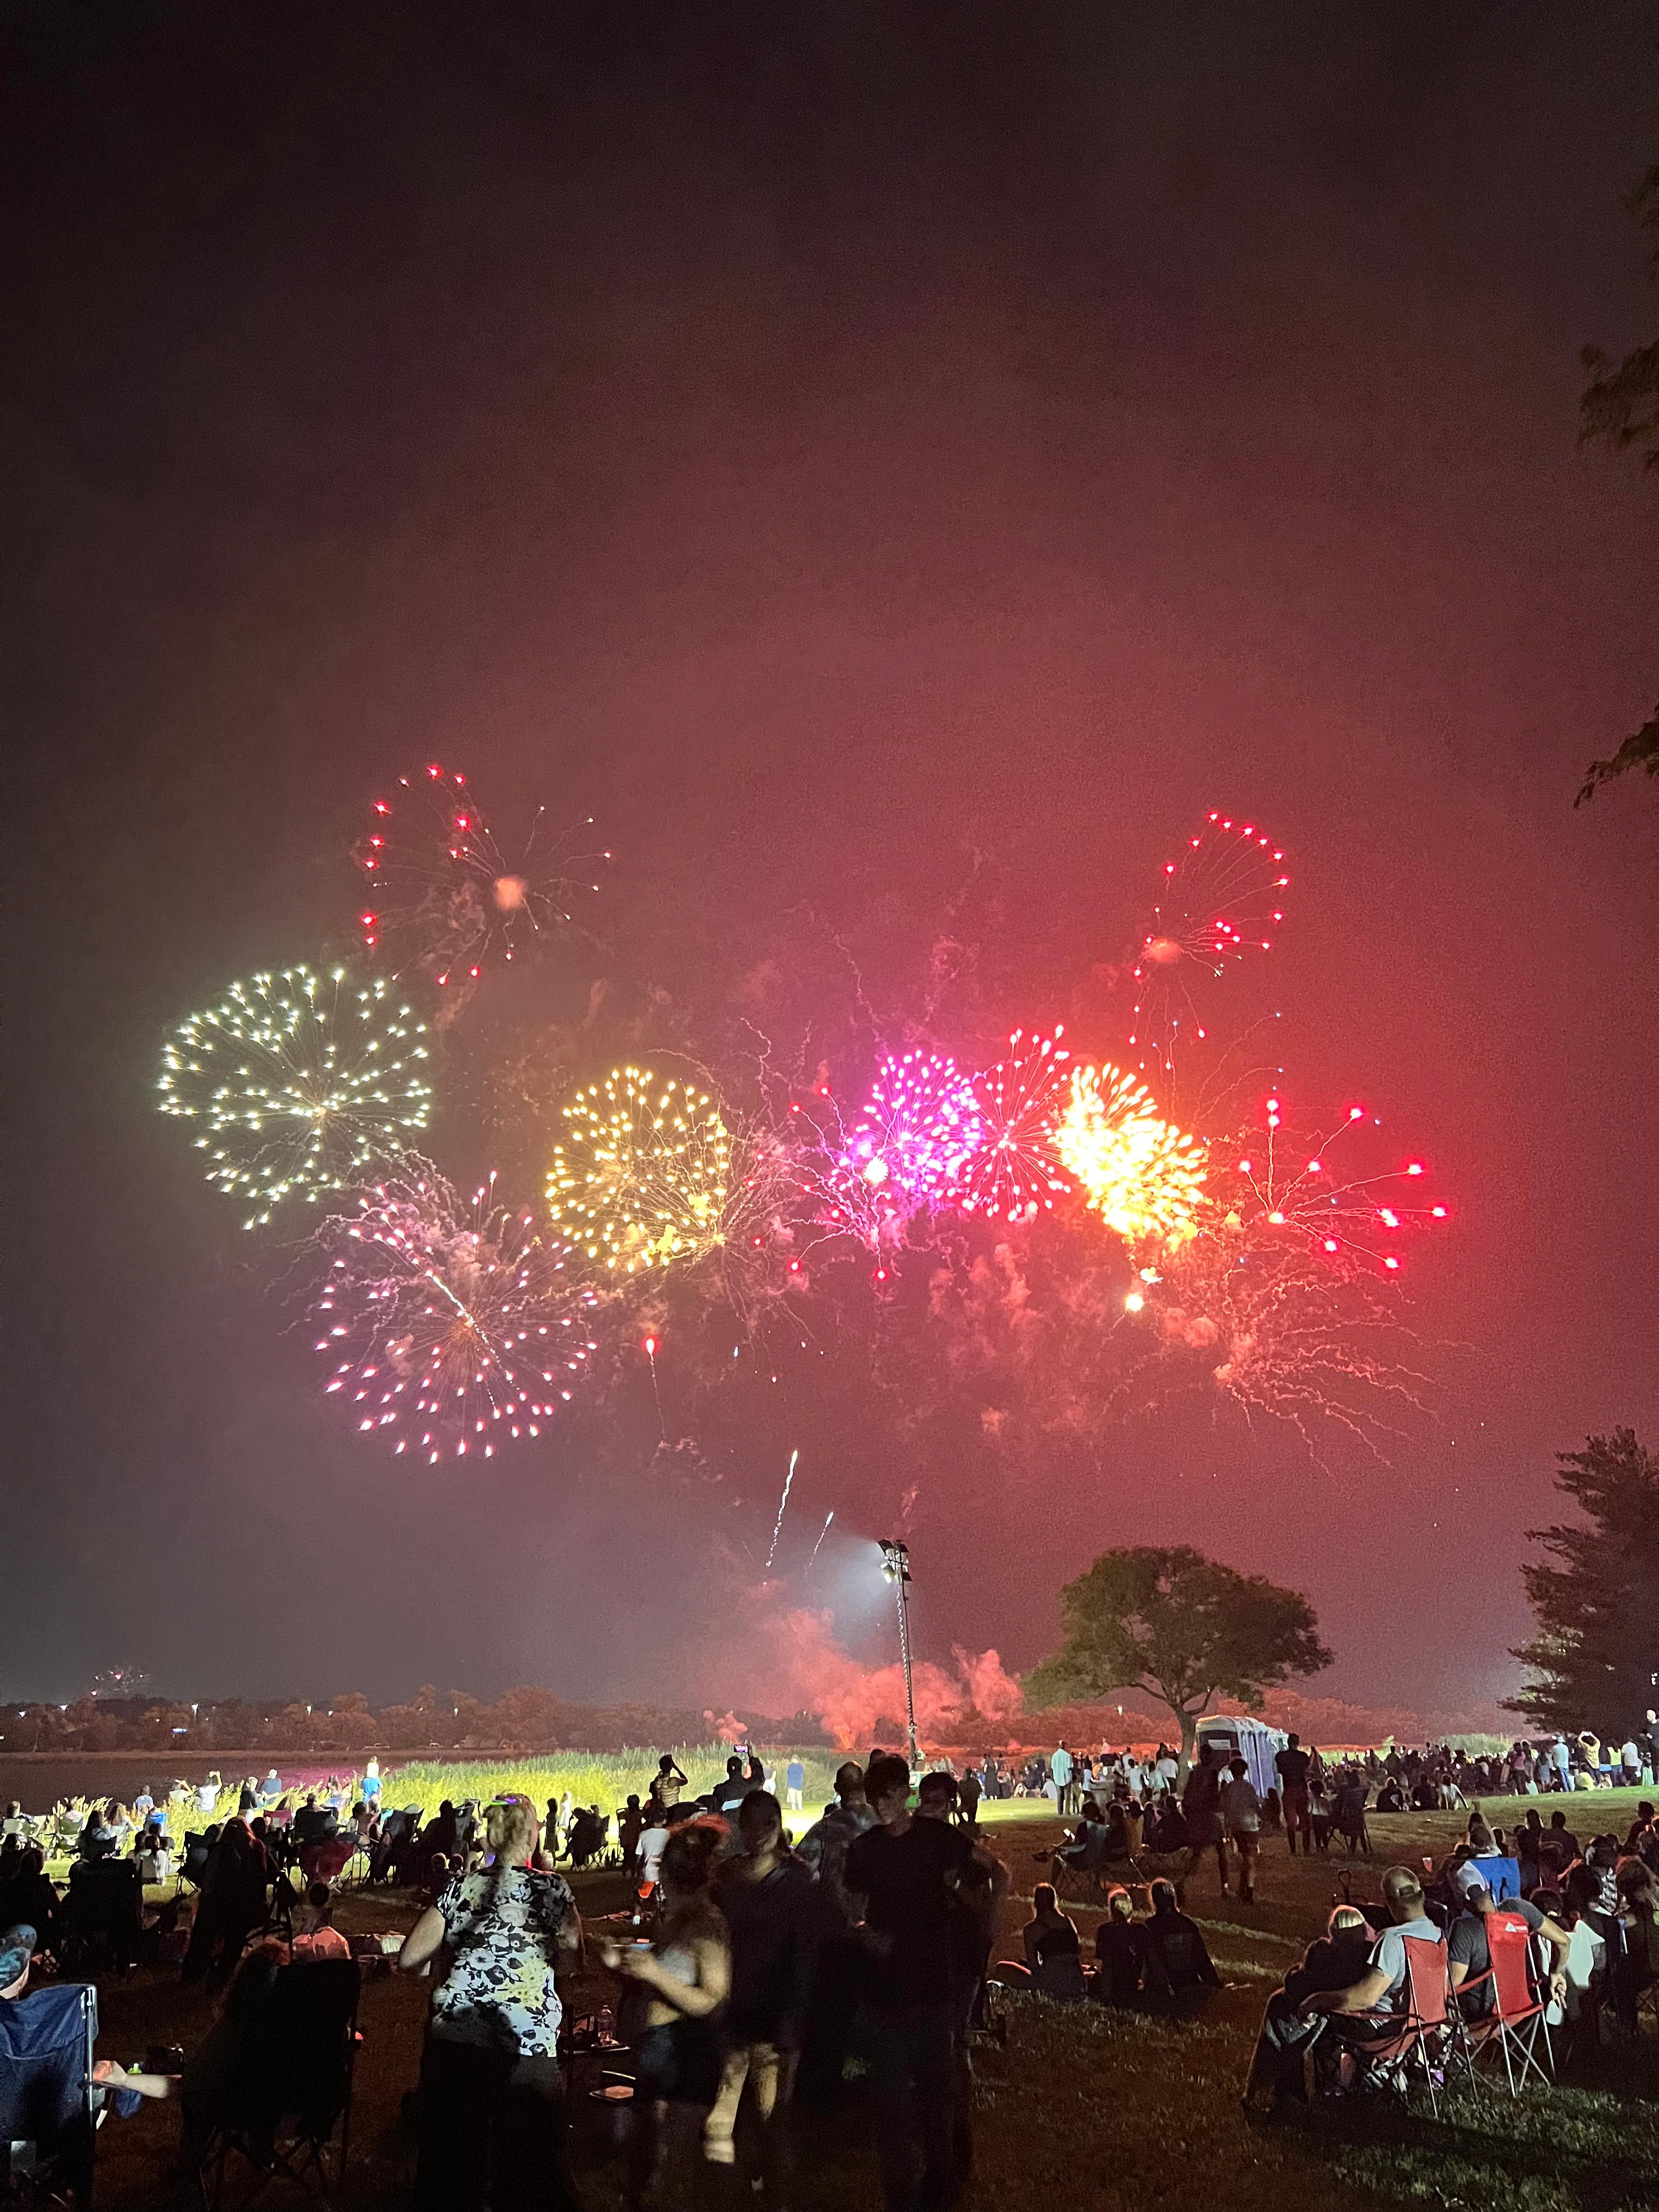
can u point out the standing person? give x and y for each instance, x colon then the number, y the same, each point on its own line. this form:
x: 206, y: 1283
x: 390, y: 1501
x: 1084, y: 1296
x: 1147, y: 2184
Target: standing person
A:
x: 823, y: 1850
x: 794, y: 1783
x: 1201, y: 1802
x: 968, y: 1798
x: 1063, y: 1768
x: 1241, y: 1813
x: 234, y: 1882
x: 765, y: 1895
x: 492, y: 2095
x: 905, y: 1871
x: 666, y: 1784
x: 371, y: 1790
x: 1291, y: 1765
x: 683, y: 1979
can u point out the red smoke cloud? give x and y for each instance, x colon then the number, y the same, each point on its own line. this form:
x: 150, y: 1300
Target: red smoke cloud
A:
x: 788, y: 1662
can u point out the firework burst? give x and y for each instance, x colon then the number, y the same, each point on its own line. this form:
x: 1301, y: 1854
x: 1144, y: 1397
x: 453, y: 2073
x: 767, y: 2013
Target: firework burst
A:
x: 1012, y: 1174
x: 918, y: 1130
x: 1281, y: 1185
x: 454, y: 1330
x: 446, y: 896
x: 1221, y: 899
x: 1141, y: 1174
x: 297, y: 1082
x: 643, y: 1175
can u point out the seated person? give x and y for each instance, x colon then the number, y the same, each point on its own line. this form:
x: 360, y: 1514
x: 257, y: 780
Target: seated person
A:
x: 28, y: 1898
x: 1336, y: 1961
x: 1467, y: 1953
x: 1362, y: 2013
x: 104, y: 1899
x: 32, y: 2030
x: 1391, y: 1798
x: 1118, y: 1952
x: 586, y: 1841
x: 1085, y: 1848
x: 1054, y: 1956
x: 151, y: 1857
x: 1177, y: 1971
x: 315, y: 1936
x: 313, y: 1823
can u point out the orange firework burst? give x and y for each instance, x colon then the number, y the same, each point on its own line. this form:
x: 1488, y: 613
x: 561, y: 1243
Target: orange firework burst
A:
x: 1140, y: 1174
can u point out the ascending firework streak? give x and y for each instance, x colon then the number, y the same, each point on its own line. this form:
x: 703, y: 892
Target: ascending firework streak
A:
x: 822, y: 1533
x: 783, y: 1503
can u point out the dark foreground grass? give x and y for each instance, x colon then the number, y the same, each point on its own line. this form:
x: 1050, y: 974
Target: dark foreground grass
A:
x: 1083, y: 2107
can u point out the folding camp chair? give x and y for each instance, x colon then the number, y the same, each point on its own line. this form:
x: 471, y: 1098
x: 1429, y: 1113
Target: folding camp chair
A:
x: 47, y: 2104
x: 292, y: 2087
x: 102, y: 1918
x: 1417, y: 2039
x: 1517, y: 2018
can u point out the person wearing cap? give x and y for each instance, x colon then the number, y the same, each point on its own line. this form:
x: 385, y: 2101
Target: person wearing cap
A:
x: 1468, y: 1955
x: 17, y: 2006
x: 1359, y: 2013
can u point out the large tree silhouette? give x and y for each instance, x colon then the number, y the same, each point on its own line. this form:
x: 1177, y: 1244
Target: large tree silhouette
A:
x: 1596, y: 1597
x: 1182, y: 1628
x: 1620, y: 408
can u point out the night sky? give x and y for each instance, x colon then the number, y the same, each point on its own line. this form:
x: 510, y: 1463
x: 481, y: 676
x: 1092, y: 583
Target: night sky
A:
x: 854, y: 453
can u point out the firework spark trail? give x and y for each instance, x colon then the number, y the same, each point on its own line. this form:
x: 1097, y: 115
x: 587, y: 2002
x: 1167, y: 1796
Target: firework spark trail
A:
x: 818, y: 1546
x: 656, y: 1392
x: 783, y: 1507
x: 298, y: 1083
x: 446, y: 894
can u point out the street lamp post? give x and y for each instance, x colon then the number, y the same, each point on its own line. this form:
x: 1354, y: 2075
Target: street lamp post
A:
x: 896, y: 1566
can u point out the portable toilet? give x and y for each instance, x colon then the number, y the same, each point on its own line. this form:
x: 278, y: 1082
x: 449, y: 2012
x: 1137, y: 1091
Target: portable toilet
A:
x: 1236, y: 1735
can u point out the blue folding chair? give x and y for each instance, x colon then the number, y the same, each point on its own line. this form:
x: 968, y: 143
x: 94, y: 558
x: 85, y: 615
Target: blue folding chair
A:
x: 47, y: 2127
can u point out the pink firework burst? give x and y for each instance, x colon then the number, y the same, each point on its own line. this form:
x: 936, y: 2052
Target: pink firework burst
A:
x: 1013, y: 1173
x: 454, y: 1328
x: 446, y: 896
x: 914, y: 1136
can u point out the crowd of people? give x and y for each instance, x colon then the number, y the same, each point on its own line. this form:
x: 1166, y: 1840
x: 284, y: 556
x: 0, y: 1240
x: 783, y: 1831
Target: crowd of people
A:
x: 753, y: 1971
x: 1585, y: 1921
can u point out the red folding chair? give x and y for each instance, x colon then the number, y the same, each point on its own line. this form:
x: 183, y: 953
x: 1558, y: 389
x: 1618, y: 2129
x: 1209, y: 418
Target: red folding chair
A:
x: 1517, y: 2018
x: 1419, y: 2035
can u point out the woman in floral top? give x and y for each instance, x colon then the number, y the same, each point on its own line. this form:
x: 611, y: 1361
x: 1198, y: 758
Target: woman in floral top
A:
x: 492, y: 2098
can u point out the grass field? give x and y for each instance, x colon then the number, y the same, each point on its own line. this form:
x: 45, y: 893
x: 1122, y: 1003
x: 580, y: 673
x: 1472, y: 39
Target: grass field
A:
x: 1083, y: 2107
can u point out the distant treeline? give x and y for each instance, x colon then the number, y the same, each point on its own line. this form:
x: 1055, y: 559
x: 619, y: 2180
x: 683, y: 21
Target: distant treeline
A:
x: 524, y: 1720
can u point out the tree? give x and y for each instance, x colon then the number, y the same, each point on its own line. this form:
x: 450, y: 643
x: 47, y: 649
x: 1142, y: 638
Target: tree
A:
x: 1181, y: 1627
x: 1620, y: 408
x: 1596, y: 1655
